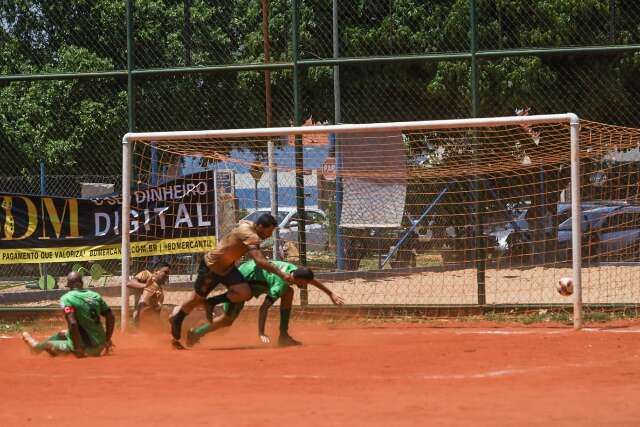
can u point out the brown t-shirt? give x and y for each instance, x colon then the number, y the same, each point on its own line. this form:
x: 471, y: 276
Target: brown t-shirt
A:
x: 153, y: 288
x: 232, y: 247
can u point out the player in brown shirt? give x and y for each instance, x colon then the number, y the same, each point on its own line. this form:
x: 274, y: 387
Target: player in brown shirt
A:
x: 218, y: 267
x: 148, y: 288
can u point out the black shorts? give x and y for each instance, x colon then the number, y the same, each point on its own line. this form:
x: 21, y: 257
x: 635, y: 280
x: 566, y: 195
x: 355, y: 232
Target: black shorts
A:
x: 208, y: 280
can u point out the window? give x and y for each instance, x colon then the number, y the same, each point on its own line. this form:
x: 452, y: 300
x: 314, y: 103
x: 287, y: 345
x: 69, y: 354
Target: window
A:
x: 314, y: 217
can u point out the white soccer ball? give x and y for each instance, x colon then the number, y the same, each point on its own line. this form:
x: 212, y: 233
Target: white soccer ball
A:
x: 565, y: 286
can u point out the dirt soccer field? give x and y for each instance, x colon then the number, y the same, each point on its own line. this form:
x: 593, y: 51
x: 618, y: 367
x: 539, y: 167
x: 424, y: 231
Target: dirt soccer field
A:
x: 385, y: 375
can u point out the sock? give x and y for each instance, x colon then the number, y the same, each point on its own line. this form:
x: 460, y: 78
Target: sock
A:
x: 285, y: 313
x: 202, y: 330
x: 218, y: 299
x: 176, y: 324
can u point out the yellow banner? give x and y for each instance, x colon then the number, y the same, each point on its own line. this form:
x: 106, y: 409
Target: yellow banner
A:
x: 96, y: 253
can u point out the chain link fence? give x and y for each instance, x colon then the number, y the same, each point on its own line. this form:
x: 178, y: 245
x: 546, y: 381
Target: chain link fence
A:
x: 65, y: 101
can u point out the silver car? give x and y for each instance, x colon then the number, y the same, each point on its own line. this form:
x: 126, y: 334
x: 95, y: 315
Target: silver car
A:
x: 315, y: 226
x: 607, y: 231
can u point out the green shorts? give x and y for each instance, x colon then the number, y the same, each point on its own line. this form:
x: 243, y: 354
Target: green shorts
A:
x: 66, y: 347
x: 233, y: 309
x: 59, y: 346
x: 61, y: 343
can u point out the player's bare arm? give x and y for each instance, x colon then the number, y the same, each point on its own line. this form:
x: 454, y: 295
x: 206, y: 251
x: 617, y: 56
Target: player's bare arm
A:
x: 110, y: 322
x: 74, y: 331
x: 262, y: 318
x: 262, y: 262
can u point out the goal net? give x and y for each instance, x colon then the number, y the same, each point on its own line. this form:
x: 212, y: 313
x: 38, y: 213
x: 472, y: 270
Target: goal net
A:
x: 410, y: 218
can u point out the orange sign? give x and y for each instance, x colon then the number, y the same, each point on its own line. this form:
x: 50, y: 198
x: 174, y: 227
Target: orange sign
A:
x: 311, y: 138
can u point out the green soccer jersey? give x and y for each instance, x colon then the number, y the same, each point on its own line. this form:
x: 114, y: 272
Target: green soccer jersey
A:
x: 87, y: 307
x: 264, y: 282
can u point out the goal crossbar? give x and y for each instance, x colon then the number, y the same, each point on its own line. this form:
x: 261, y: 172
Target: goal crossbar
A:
x: 569, y: 118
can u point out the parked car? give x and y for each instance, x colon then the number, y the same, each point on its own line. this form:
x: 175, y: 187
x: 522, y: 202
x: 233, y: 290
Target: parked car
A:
x: 515, y: 237
x: 610, y: 232
x: 315, y: 226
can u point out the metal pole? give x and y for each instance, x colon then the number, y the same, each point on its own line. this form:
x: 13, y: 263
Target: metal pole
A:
x: 411, y: 229
x: 576, y: 222
x: 154, y: 181
x: 266, y: 48
x: 352, y: 128
x: 130, y: 67
x: 216, y: 211
x: 298, y: 144
x: 126, y: 173
x: 273, y: 193
x: 337, y: 119
x: 339, y: 243
x: 273, y: 172
x: 473, y: 31
x: 126, y: 208
x: 475, y: 103
x: 43, y: 192
x: 542, y: 238
x: 186, y: 33
x: 612, y: 21
x: 154, y: 164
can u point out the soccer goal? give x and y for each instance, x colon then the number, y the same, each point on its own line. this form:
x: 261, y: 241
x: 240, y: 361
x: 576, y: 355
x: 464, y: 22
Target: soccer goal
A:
x: 444, y: 215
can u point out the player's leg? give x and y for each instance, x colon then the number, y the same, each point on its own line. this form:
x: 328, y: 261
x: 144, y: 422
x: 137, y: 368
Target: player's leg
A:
x: 226, y: 319
x: 149, y: 302
x: 203, y: 285
x: 141, y: 307
x: 286, y: 302
x: 237, y: 290
x: 180, y: 313
x: 54, y: 345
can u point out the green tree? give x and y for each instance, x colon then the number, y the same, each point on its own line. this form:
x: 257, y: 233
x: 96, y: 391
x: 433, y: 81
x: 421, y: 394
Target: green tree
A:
x: 65, y: 123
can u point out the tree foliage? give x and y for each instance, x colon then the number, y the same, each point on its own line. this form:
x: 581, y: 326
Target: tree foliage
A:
x: 60, y: 121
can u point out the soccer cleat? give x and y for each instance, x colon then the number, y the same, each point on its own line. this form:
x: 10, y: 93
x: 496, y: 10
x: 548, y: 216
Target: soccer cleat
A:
x: 192, y: 338
x: 30, y: 342
x: 287, y: 341
x: 176, y: 327
x: 177, y: 345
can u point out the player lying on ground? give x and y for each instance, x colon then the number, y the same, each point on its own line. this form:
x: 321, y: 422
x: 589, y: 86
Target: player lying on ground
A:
x: 85, y: 335
x: 264, y: 282
x: 148, y: 287
x: 218, y: 266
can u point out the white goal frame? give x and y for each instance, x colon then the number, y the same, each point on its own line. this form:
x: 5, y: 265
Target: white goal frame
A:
x: 568, y: 118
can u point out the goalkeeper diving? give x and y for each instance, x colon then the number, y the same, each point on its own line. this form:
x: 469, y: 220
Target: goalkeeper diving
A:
x: 264, y: 282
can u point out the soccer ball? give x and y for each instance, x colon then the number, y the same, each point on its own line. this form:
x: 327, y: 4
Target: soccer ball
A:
x: 565, y: 286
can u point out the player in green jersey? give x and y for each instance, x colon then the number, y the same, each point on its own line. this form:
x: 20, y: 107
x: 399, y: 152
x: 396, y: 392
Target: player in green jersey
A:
x: 263, y: 282
x: 85, y: 335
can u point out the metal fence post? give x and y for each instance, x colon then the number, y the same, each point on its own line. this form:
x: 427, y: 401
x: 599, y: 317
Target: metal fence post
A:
x: 298, y: 143
x: 576, y: 222
x: 127, y: 171
x: 480, y: 253
x: 43, y: 191
x: 337, y: 119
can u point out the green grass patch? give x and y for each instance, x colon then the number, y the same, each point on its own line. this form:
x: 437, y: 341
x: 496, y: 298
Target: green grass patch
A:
x: 36, y: 326
x: 542, y: 316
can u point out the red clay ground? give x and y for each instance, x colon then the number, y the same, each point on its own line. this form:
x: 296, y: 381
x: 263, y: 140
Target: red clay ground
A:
x: 355, y: 376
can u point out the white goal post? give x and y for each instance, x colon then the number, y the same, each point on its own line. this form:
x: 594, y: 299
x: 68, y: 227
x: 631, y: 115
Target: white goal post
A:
x: 569, y: 120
